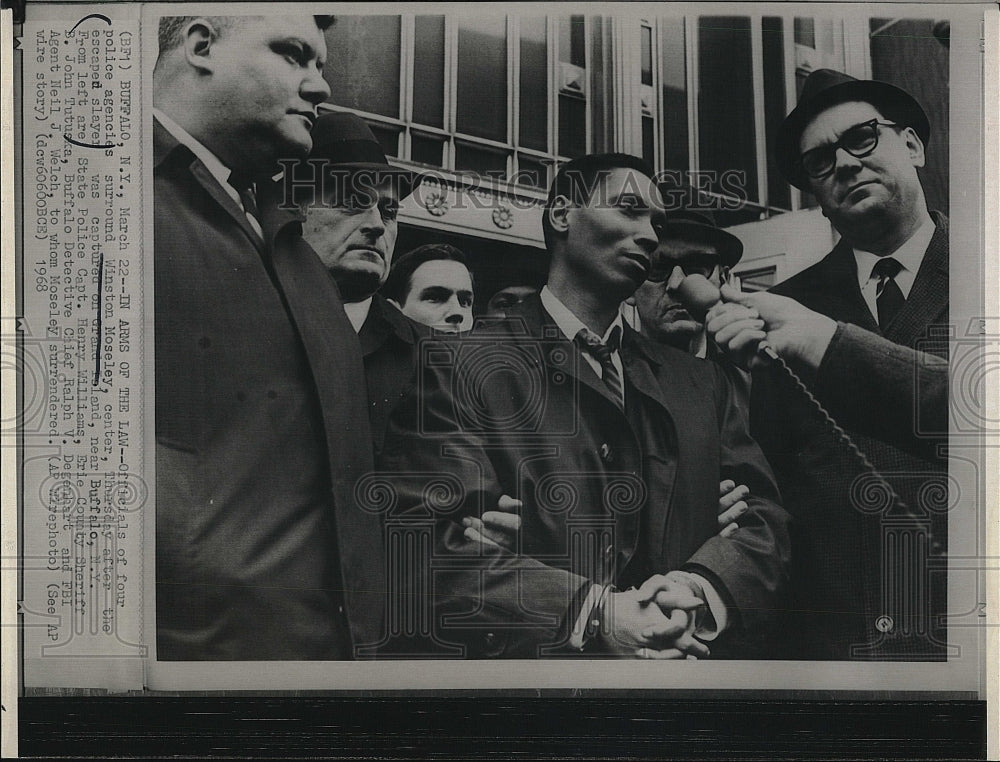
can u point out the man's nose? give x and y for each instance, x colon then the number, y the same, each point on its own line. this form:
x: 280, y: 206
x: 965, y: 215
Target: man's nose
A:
x: 844, y: 162
x: 647, y: 239
x: 676, y: 278
x: 314, y: 87
x: 456, y: 310
x: 373, y: 225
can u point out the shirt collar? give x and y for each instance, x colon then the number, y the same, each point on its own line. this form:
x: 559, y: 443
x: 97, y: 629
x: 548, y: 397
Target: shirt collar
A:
x: 212, y: 162
x: 909, y: 255
x: 567, y: 322
x: 357, y: 312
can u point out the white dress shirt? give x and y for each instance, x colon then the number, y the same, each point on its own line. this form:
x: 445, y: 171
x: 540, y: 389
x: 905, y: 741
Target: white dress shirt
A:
x: 212, y: 163
x: 357, y: 313
x: 909, y: 255
x: 571, y: 325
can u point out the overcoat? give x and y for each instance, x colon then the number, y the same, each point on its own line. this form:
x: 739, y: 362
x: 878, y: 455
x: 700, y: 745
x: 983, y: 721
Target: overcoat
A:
x: 868, y: 571
x: 388, y: 345
x: 610, y: 496
x: 261, y: 551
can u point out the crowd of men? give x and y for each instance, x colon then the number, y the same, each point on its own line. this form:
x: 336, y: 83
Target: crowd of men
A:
x: 604, y: 467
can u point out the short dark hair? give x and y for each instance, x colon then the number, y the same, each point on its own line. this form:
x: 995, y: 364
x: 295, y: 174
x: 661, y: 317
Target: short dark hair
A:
x: 171, y: 31
x: 577, y: 179
x: 397, y: 285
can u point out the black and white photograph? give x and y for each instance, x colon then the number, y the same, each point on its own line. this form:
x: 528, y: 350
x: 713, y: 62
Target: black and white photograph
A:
x: 637, y: 347
x: 578, y: 446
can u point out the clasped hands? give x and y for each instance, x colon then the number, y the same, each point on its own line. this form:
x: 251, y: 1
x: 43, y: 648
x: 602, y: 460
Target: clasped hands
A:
x: 657, y: 621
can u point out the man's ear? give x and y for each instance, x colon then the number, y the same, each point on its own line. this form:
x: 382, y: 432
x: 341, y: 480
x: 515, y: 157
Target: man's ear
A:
x: 199, y: 36
x: 559, y: 214
x: 914, y: 145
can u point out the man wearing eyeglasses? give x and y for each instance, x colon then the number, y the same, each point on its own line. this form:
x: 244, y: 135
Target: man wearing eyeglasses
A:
x: 855, y: 326
x: 856, y: 146
x: 691, y: 243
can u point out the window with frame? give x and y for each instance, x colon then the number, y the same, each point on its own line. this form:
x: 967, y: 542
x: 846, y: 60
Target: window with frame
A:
x: 715, y: 89
x: 504, y: 97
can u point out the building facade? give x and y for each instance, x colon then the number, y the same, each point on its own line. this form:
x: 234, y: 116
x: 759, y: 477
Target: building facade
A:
x: 489, y: 104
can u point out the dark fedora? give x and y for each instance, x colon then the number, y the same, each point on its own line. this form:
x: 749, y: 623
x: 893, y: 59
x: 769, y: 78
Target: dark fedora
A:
x: 349, y: 148
x: 701, y: 227
x: 825, y: 88
x: 689, y: 216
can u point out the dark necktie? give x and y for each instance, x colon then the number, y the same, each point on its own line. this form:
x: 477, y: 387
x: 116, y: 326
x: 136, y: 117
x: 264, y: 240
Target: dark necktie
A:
x: 888, y: 296
x: 591, y: 343
x: 248, y: 195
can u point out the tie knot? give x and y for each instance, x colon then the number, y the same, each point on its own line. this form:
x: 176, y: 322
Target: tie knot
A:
x: 887, y: 267
x: 600, y: 350
x: 241, y: 180
x: 244, y: 185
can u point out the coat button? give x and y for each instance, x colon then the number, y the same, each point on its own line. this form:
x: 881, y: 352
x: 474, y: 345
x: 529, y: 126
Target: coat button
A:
x: 606, y: 454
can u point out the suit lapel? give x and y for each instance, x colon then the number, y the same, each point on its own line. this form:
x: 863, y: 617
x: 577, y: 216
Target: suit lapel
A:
x: 384, y: 321
x: 840, y: 278
x: 374, y: 331
x: 927, y: 302
x: 211, y: 185
x: 640, y: 361
x: 540, y: 324
x: 206, y: 180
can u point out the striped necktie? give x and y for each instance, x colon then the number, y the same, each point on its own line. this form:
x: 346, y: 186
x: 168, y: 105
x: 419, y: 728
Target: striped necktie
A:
x: 591, y: 343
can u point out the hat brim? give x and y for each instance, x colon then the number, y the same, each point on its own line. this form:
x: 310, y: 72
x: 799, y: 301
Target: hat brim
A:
x: 730, y: 247
x: 894, y: 102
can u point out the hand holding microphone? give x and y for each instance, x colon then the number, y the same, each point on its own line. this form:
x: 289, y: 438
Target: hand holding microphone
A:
x: 753, y: 327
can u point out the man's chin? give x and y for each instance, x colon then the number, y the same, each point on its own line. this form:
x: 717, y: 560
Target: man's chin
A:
x: 678, y: 333
x: 355, y: 286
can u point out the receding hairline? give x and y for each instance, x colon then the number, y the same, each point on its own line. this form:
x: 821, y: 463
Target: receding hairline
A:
x: 171, y: 28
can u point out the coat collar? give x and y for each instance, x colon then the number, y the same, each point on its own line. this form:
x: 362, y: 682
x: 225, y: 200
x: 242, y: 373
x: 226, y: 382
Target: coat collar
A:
x: 384, y: 322
x: 169, y: 152
x: 641, y: 358
x: 539, y: 324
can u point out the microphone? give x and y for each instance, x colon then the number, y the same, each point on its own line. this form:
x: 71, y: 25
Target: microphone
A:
x: 699, y: 295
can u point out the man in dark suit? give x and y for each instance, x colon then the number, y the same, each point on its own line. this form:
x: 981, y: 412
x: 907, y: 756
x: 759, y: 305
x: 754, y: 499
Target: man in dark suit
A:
x: 350, y: 196
x: 615, y: 445
x: 261, y: 550
x: 351, y: 222
x: 869, y: 337
x: 691, y: 242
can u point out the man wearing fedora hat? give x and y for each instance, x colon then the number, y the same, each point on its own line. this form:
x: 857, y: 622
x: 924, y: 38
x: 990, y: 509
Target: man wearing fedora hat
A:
x: 261, y: 550
x: 858, y: 326
x: 691, y: 242
x: 350, y: 195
